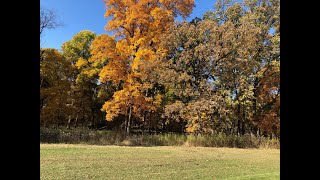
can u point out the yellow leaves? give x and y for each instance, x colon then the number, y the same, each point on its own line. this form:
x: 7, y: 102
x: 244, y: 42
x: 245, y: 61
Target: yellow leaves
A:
x: 122, y: 95
x: 146, y: 86
x: 54, y: 85
x: 102, y: 95
x: 138, y: 25
x: 123, y: 49
x: 129, y: 81
x: 53, y: 62
x: 276, y: 65
x: 142, y: 61
x: 136, y: 94
x: 158, y: 100
x: 118, y: 104
x: 115, y: 71
x: 145, y: 55
x: 81, y: 63
x: 181, y: 7
x: 112, y: 110
x: 157, y: 12
x: 140, y: 41
x: 192, y: 128
x: 130, y: 14
x: 203, y: 115
x: 102, y: 47
x: 91, y: 72
x: 135, y: 65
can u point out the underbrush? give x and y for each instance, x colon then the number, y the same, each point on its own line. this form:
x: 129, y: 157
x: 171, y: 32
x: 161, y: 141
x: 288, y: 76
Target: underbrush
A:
x: 103, y: 137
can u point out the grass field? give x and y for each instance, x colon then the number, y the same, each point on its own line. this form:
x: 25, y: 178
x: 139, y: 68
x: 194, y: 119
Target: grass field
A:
x: 62, y: 161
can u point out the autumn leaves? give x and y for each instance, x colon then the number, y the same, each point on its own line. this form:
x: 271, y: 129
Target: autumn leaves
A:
x: 216, y: 74
x: 138, y: 26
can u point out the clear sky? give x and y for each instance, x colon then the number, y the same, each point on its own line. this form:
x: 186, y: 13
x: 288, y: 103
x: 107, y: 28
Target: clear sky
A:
x: 77, y: 15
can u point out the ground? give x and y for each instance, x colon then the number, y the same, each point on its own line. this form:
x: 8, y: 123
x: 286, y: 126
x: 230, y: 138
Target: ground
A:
x: 61, y: 161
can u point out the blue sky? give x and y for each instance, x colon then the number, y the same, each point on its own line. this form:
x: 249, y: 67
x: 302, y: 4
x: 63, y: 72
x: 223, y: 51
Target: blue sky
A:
x: 77, y: 15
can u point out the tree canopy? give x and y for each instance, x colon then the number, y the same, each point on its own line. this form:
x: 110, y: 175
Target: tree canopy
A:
x: 219, y: 73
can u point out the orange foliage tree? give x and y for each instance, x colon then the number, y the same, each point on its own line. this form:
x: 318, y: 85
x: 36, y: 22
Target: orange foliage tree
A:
x: 131, y: 53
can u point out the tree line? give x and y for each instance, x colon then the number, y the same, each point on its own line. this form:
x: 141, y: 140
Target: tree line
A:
x: 216, y: 74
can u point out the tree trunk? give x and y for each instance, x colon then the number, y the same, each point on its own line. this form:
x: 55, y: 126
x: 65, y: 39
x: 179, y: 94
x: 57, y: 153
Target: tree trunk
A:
x: 143, y: 120
x: 238, y: 112
x: 156, y: 123
x: 93, y: 118
x: 255, y: 95
x: 149, y: 124
x: 144, y: 116
x: 82, y: 120
x: 129, y: 120
x: 125, y: 124
x: 69, y: 121
x: 243, y: 121
x: 163, y: 125
x: 76, y: 121
x: 239, y: 121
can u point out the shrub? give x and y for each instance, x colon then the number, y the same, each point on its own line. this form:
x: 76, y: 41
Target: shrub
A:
x: 98, y: 137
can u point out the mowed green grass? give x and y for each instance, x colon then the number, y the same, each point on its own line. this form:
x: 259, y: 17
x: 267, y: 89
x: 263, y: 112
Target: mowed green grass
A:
x: 62, y: 161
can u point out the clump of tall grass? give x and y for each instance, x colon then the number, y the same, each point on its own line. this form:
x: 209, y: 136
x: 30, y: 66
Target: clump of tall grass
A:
x: 98, y: 137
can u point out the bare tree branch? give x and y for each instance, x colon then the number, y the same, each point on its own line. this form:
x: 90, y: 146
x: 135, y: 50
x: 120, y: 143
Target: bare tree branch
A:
x: 48, y: 20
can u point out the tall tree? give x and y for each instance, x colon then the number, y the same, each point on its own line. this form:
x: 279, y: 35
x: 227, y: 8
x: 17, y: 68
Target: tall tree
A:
x: 229, y: 61
x: 54, y: 88
x: 83, y: 81
x: 138, y: 26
